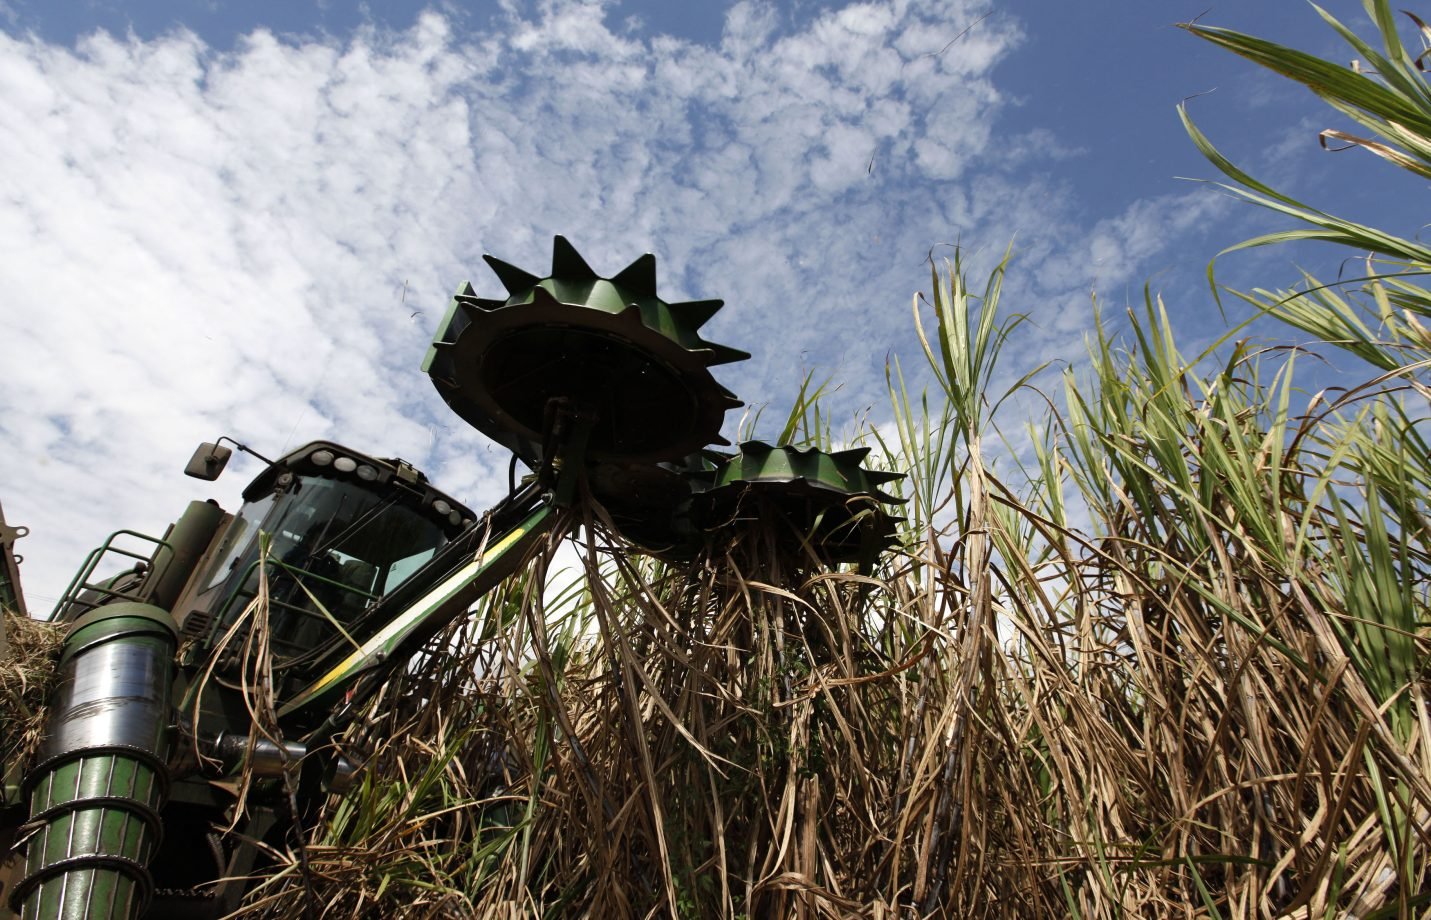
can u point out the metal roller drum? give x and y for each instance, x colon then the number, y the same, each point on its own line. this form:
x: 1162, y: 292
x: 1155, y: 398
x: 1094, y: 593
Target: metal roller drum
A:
x: 101, y: 777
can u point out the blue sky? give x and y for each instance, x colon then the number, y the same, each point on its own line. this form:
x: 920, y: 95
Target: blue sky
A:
x: 220, y: 217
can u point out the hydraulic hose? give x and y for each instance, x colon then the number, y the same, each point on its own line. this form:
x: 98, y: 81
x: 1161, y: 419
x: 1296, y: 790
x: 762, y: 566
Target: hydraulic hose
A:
x: 102, y: 773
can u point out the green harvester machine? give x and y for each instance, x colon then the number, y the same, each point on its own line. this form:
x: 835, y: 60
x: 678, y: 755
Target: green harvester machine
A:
x: 599, y: 387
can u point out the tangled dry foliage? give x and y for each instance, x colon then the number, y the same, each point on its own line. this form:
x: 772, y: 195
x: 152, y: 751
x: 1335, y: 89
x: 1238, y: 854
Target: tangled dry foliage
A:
x: 1174, y: 668
x: 27, y: 671
x: 1205, y: 701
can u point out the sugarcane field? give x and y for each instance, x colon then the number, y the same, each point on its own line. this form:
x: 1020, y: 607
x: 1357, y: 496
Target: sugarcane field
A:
x: 960, y: 626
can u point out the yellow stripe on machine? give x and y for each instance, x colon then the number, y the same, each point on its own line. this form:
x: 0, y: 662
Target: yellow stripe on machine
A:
x: 414, y: 614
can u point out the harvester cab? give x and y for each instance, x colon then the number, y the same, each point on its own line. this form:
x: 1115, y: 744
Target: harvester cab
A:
x: 340, y: 566
x: 324, y: 531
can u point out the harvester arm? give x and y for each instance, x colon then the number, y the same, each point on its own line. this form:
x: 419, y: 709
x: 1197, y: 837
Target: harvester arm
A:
x: 423, y: 618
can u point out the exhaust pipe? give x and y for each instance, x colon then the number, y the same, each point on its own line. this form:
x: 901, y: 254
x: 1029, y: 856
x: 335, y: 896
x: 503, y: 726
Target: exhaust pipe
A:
x: 175, y: 559
x: 102, y: 774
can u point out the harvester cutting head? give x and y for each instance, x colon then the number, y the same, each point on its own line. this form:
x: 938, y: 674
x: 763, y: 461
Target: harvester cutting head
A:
x: 635, y: 367
x: 610, y: 346
x: 835, y: 506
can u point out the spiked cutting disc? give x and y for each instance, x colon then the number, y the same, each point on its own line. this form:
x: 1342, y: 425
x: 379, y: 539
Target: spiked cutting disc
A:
x: 828, y: 497
x: 609, y: 345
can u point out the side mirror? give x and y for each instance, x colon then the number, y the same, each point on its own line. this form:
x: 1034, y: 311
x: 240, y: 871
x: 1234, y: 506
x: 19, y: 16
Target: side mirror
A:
x: 208, y: 461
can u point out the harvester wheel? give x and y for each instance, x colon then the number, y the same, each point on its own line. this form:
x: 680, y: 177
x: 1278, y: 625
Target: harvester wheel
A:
x: 835, y: 507
x: 607, y: 345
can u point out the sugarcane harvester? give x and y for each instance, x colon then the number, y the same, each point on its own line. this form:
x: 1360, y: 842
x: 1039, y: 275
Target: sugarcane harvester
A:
x: 599, y: 387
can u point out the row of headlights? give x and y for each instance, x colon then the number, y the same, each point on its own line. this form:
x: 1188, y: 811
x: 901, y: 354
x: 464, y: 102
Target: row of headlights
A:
x: 369, y: 473
x: 342, y: 464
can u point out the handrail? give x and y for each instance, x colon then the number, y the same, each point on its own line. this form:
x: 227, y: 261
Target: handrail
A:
x: 80, y: 582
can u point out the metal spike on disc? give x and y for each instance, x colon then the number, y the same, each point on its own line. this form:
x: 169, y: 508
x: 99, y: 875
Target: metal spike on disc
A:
x: 854, y: 455
x: 513, y: 278
x: 639, y: 277
x: 567, y: 262
x: 696, y: 312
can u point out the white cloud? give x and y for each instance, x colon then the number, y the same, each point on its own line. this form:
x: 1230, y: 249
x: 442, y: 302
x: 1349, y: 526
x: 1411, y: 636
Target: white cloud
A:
x: 749, y: 26
x: 197, y: 241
